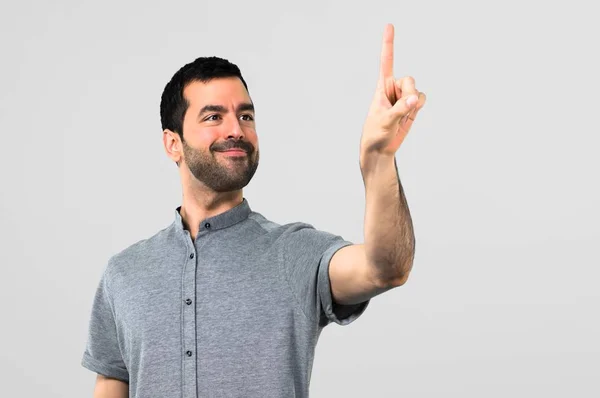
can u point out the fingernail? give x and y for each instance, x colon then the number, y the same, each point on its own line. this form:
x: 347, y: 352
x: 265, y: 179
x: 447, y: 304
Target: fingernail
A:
x: 411, y: 100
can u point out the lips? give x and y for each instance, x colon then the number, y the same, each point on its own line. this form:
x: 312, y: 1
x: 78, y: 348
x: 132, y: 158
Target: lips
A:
x: 237, y: 152
x: 234, y: 150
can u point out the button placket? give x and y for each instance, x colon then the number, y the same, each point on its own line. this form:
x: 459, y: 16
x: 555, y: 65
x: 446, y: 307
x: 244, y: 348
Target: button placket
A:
x: 189, y: 322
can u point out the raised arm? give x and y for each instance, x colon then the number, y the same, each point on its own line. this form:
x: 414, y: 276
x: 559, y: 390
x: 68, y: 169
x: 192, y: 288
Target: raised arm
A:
x: 359, y: 272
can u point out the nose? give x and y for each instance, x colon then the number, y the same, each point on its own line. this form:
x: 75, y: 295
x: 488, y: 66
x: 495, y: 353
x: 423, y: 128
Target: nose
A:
x: 235, y: 131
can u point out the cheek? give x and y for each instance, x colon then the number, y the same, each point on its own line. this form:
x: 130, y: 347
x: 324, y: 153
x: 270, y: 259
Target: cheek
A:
x: 201, y: 137
x: 251, y: 135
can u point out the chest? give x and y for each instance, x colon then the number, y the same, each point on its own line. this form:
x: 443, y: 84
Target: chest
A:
x: 230, y: 299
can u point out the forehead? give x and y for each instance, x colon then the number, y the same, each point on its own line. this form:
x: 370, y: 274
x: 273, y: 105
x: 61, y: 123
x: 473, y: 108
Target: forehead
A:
x: 228, y: 92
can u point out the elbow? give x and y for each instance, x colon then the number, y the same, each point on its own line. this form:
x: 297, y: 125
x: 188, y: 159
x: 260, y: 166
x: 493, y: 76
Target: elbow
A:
x: 399, y: 280
x: 400, y: 277
x: 390, y: 276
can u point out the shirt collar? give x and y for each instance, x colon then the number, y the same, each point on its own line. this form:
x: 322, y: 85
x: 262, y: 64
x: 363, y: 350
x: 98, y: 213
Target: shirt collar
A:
x: 223, y: 220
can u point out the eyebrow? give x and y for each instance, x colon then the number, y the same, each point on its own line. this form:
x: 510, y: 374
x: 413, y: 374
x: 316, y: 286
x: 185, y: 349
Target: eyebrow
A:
x: 246, y: 106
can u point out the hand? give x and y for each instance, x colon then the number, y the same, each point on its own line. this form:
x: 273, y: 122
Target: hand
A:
x: 394, y: 106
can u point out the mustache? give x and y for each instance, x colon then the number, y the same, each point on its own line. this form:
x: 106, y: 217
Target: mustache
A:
x: 228, y: 145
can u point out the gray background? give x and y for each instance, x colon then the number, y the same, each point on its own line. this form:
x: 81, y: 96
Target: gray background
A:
x: 500, y: 171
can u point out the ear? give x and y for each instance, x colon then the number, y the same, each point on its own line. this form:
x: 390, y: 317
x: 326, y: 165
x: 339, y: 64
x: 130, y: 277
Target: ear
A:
x: 173, y: 146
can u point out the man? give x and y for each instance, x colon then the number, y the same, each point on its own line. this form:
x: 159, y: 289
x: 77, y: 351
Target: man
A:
x: 223, y: 302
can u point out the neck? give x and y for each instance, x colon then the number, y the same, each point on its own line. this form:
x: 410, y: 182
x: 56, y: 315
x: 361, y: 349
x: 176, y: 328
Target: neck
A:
x: 200, y: 202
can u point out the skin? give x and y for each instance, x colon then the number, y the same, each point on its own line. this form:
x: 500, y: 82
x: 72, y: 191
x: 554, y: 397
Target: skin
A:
x: 110, y: 388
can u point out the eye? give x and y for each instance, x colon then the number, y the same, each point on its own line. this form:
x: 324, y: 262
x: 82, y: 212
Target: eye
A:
x: 247, y: 117
x: 213, y: 117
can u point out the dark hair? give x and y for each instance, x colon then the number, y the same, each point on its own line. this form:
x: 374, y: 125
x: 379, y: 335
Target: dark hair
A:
x: 173, y: 105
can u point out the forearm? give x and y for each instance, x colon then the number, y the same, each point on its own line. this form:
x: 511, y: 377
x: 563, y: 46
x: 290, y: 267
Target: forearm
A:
x: 388, y: 230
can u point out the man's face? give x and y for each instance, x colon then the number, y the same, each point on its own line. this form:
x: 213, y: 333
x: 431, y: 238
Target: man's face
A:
x: 220, y: 143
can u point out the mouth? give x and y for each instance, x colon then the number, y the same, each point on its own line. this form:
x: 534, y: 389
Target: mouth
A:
x: 234, y: 152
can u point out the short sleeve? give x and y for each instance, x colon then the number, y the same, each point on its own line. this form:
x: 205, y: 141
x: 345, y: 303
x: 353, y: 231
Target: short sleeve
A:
x: 308, y: 253
x: 103, y: 354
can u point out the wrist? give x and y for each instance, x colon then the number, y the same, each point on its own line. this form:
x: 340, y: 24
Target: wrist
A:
x: 372, y: 163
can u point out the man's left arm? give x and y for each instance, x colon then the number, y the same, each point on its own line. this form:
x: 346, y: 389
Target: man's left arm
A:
x: 384, y: 261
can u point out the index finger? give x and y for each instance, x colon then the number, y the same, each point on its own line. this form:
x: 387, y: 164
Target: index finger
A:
x: 387, y: 53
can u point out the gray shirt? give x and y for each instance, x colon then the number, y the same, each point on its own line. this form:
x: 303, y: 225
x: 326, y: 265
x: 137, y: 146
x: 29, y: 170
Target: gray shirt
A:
x: 236, y: 313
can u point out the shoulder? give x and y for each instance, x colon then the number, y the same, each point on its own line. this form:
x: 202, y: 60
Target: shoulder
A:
x: 298, y: 239
x: 279, y: 231
x: 124, y: 261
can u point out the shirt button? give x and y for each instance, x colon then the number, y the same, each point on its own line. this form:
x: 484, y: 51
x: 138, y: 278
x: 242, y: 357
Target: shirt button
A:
x: 188, y: 353
x: 191, y: 255
x: 188, y: 301
x: 207, y: 225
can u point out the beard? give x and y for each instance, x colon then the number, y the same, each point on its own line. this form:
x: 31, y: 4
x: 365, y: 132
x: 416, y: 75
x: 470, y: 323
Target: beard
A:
x: 232, y: 173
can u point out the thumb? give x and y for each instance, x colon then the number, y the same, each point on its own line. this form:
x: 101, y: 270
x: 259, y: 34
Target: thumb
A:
x: 403, y: 106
